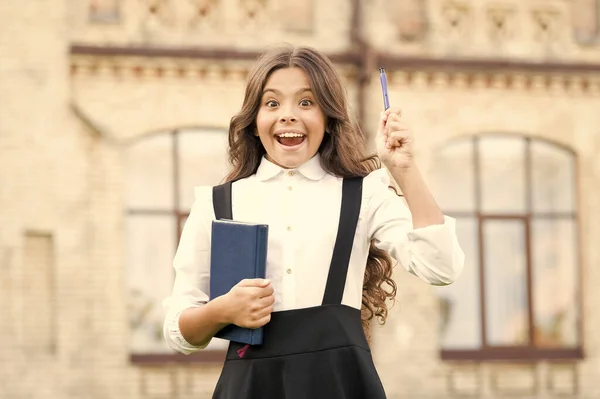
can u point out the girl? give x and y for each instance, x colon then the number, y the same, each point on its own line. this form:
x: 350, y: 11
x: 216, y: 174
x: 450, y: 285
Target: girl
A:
x: 334, y: 227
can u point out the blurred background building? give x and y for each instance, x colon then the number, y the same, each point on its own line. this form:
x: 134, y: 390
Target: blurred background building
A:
x: 111, y: 111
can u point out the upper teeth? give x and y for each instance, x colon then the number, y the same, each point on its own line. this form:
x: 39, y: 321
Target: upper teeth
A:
x: 290, y: 134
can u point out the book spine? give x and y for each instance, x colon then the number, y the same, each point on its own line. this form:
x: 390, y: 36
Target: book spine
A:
x: 262, y: 238
x: 261, y: 251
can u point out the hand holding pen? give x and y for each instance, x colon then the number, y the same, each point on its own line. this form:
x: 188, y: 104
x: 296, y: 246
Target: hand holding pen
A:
x: 394, y: 138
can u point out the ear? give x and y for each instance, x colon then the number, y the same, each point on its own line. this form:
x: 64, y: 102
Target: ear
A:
x: 256, y: 132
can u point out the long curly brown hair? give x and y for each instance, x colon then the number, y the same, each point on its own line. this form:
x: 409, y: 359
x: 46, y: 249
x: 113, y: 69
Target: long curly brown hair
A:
x: 342, y: 151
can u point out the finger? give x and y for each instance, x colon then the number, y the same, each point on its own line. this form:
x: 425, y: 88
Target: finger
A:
x: 261, y: 313
x: 266, y: 291
x: 393, y: 112
x: 403, y: 134
x: 397, y: 139
x: 255, y: 293
x: 263, y: 321
x: 394, y: 143
x: 394, y: 125
x: 395, y: 120
x: 259, y: 292
x: 254, y: 282
x: 266, y: 301
x: 381, y: 129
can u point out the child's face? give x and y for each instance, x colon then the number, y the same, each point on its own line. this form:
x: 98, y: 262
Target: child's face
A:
x: 290, y: 123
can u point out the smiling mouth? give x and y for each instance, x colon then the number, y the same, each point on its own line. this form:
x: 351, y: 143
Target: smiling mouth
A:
x: 290, y: 139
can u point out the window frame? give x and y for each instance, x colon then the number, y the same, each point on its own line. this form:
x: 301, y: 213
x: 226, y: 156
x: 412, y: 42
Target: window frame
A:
x: 213, y: 356
x: 526, y: 352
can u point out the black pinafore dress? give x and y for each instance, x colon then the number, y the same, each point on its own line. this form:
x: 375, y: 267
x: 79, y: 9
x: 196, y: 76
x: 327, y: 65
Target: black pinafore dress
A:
x: 318, y: 352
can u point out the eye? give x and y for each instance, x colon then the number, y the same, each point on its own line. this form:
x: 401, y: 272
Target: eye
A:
x: 306, y: 103
x: 271, y: 103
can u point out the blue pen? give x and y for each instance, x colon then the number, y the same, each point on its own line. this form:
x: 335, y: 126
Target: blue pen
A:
x: 383, y: 77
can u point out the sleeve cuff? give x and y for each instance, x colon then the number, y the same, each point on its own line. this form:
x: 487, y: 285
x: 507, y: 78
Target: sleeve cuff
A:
x: 175, y: 339
x: 437, y: 247
x: 435, y: 230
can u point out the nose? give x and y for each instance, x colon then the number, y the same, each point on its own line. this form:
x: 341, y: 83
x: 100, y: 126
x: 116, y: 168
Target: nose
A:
x: 286, y: 113
x: 287, y: 118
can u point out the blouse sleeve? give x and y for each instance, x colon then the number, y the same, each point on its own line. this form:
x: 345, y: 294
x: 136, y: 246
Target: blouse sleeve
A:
x: 192, y: 267
x: 431, y: 253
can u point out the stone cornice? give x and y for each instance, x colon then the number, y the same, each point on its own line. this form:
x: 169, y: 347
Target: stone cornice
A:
x: 156, y: 63
x: 203, y: 53
x: 124, y: 65
x: 390, y: 61
x: 538, y: 82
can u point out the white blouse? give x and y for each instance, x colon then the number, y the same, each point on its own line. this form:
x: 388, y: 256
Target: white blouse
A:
x: 302, y: 209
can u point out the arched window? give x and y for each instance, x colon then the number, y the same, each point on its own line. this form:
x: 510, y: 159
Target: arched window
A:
x: 514, y: 199
x: 161, y: 172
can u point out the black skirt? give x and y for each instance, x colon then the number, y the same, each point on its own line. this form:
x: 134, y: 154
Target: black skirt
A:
x: 313, y: 353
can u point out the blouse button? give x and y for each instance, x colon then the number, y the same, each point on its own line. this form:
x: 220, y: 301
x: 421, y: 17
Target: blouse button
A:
x: 289, y: 228
x: 289, y: 271
x: 291, y: 173
x: 289, y: 188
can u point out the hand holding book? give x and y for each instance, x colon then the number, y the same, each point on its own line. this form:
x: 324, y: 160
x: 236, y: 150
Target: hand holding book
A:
x: 250, y: 303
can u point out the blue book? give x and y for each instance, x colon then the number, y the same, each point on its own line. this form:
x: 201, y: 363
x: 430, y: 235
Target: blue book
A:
x: 238, y: 251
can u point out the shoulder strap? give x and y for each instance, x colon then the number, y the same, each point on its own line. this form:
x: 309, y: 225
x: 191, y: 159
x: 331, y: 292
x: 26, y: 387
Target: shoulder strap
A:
x: 222, y: 201
x: 338, y: 270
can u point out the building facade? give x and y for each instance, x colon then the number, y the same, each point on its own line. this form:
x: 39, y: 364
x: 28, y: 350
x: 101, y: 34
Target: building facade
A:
x: 113, y: 110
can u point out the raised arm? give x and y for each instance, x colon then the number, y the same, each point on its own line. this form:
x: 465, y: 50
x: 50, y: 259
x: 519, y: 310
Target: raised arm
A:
x: 413, y: 230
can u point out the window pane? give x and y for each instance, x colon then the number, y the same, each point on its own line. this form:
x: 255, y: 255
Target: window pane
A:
x: 460, y: 302
x: 454, y: 182
x: 502, y: 161
x: 555, y: 282
x: 150, y: 249
x: 552, y: 178
x: 505, y: 282
x: 202, y: 161
x: 149, y: 166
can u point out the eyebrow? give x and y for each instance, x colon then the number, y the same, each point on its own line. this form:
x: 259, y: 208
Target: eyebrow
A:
x: 304, y: 89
